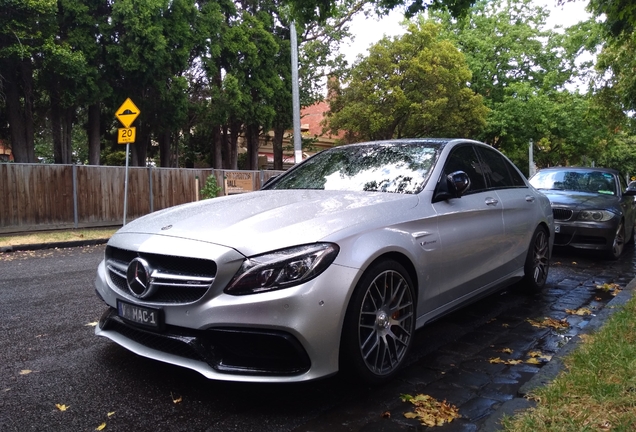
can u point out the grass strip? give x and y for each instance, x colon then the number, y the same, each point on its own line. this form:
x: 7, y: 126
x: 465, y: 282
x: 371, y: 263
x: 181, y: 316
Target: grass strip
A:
x: 597, y: 390
x: 56, y: 236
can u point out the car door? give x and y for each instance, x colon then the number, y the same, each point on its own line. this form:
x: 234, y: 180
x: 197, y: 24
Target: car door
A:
x: 470, y: 230
x: 518, y: 204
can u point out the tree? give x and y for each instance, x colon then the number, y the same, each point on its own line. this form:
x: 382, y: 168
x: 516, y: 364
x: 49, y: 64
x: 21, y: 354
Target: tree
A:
x: 415, y: 85
x: 522, y: 71
x: 25, y: 27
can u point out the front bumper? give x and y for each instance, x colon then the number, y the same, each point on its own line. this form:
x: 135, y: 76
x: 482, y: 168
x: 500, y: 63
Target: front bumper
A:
x: 585, y: 235
x: 280, y: 336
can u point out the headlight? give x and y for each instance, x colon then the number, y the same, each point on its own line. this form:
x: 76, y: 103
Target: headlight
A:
x: 282, y: 269
x: 595, y: 215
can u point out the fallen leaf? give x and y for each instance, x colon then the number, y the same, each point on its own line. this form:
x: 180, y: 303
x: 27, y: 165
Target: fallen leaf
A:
x: 177, y: 399
x: 91, y: 324
x: 110, y: 414
x: 386, y: 414
x: 574, y: 262
x: 101, y: 427
x: 550, y: 322
x: 580, y: 312
x: 429, y: 411
x: 25, y: 371
x: 505, y: 325
x: 533, y: 360
x: 62, y: 407
x: 496, y: 360
x: 506, y: 350
x: 608, y: 287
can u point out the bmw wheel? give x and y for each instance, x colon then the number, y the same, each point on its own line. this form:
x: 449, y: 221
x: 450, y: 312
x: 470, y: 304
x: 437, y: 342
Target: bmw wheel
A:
x: 379, y: 325
x: 619, y: 242
x: 537, y: 260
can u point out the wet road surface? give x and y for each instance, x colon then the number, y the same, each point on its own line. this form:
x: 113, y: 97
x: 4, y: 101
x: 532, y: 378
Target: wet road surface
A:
x: 49, y: 355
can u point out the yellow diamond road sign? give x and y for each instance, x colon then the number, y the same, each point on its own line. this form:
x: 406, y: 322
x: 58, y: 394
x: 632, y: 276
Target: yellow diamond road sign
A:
x: 127, y: 113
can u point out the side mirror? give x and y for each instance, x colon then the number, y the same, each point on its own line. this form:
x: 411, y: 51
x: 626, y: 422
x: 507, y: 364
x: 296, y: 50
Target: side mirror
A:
x: 459, y: 181
x: 454, y: 185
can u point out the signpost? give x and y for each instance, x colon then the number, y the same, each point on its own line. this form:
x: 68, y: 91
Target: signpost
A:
x: 126, y: 114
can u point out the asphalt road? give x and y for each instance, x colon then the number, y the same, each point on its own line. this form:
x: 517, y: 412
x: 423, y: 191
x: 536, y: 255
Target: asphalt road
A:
x: 49, y: 355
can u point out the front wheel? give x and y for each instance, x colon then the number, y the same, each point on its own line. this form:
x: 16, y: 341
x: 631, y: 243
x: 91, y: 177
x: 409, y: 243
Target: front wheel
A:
x: 538, y: 260
x: 618, y: 243
x: 379, y: 324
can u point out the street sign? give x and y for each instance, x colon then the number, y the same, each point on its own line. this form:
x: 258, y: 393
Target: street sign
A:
x: 126, y: 135
x: 127, y: 113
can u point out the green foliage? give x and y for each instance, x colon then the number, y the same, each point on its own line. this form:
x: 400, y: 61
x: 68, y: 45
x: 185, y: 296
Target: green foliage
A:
x: 411, y: 86
x: 523, y: 71
x: 211, y: 189
x: 113, y: 157
x: 620, y: 15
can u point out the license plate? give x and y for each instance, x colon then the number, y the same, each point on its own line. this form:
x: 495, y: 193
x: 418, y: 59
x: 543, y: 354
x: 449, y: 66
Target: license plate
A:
x: 140, y: 315
x: 557, y: 228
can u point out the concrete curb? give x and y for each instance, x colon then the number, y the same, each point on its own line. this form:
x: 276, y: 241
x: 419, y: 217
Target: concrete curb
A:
x: 56, y: 245
x: 550, y: 371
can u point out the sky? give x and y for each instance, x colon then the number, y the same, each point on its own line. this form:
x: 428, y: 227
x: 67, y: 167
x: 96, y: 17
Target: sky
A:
x: 368, y: 31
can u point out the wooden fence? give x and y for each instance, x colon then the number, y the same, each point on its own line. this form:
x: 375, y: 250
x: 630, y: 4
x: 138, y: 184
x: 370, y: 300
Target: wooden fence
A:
x: 35, y: 197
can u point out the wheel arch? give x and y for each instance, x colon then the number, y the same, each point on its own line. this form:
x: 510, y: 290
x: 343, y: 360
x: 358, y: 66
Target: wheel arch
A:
x: 404, y: 261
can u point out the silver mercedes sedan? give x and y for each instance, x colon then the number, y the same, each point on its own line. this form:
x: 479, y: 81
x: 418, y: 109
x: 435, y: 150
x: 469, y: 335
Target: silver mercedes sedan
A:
x: 331, y: 266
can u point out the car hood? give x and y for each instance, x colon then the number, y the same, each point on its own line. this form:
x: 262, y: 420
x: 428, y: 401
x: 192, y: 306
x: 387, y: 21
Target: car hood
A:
x: 581, y: 200
x: 262, y: 221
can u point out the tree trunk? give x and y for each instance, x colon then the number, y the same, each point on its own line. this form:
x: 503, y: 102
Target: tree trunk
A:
x: 26, y: 71
x: 67, y: 128
x: 164, y: 148
x: 18, y: 87
x: 94, y: 146
x: 140, y: 146
x: 56, y: 124
x: 217, y: 148
x: 251, y: 136
x: 277, y: 144
x: 235, y: 130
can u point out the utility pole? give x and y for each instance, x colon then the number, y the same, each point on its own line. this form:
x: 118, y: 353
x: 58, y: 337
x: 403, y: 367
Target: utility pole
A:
x: 298, y: 153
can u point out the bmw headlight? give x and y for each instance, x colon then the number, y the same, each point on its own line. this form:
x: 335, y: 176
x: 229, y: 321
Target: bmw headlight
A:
x: 282, y: 268
x: 595, y: 215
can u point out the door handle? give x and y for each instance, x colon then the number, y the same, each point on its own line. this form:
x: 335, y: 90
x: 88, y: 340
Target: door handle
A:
x: 530, y: 198
x: 491, y: 201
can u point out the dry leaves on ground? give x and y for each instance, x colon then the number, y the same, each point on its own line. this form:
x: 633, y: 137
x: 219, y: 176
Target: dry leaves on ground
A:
x: 62, y: 407
x: 611, y: 288
x: 550, y: 322
x: 429, y: 411
x: 580, y: 311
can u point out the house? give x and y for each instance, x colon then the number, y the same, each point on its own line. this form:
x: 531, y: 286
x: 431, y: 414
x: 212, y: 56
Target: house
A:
x: 5, y: 152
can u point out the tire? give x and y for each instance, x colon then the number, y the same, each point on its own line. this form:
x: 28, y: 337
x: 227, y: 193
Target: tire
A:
x: 630, y: 240
x: 379, y: 325
x: 538, y: 260
x: 618, y: 244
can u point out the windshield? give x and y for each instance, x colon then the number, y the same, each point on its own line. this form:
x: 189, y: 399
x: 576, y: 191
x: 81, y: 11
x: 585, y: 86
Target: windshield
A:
x: 386, y: 167
x: 575, y: 180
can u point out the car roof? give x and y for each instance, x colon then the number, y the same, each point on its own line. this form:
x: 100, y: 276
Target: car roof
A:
x: 441, y: 142
x: 596, y: 169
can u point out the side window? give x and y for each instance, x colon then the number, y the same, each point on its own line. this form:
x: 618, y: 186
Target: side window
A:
x: 498, y: 172
x: 465, y: 159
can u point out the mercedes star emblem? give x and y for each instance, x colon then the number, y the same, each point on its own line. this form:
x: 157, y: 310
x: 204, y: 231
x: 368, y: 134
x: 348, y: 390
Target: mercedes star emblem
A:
x: 138, y: 277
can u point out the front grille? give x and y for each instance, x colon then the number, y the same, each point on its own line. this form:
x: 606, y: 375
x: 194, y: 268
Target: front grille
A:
x: 561, y: 214
x: 176, y: 280
x: 226, y: 350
